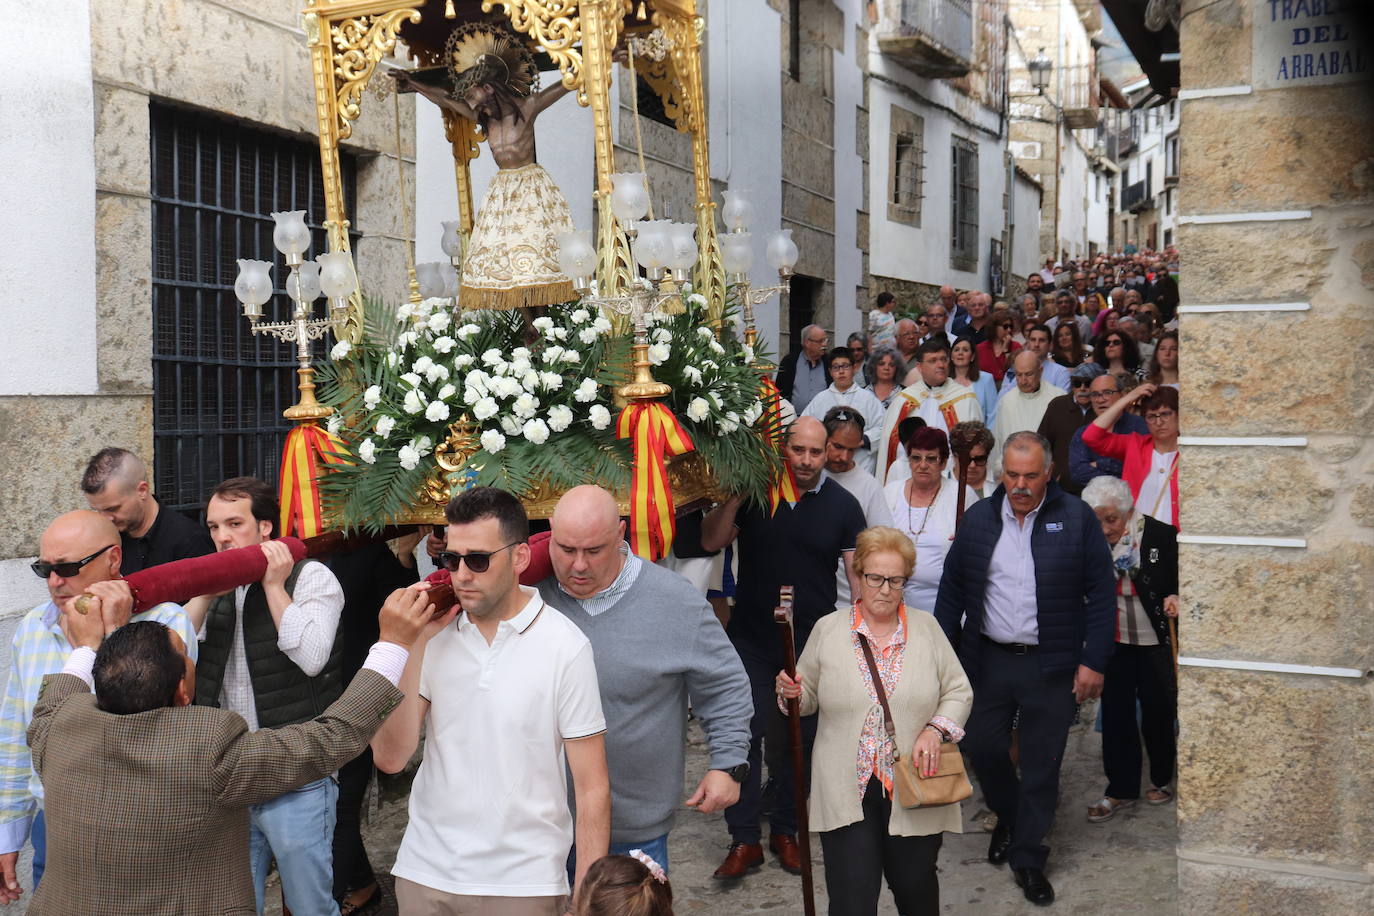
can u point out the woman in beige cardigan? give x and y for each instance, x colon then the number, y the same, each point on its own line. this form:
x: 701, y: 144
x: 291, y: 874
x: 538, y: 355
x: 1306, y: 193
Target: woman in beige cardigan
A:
x: 864, y: 836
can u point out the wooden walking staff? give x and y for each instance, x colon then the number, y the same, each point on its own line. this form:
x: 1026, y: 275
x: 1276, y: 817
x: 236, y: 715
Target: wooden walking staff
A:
x: 961, y: 442
x: 782, y: 616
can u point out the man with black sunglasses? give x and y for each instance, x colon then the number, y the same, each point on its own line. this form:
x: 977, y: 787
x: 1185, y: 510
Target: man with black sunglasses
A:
x: 79, y: 554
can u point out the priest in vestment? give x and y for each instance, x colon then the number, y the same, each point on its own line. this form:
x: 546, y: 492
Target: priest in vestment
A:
x: 1023, y: 407
x: 935, y: 398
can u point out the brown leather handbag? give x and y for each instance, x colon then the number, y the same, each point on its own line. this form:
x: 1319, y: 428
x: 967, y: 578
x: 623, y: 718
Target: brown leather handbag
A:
x: 950, y: 783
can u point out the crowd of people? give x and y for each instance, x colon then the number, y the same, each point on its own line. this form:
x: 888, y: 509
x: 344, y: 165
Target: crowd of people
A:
x: 984, y: 538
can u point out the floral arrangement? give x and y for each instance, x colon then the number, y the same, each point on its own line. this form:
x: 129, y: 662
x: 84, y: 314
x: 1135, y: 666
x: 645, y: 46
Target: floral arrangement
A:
x: 543, y: 409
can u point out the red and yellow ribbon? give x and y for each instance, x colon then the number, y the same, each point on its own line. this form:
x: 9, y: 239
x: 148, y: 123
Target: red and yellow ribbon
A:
x: 655, y: 435
x: 308, y: 450
x: 784, y: 486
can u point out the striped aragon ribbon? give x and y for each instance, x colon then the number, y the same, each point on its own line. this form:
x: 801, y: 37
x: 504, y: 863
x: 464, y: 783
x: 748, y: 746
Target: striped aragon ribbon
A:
x: 655, y: 435
x: 784, y: 486
x: 308, y: 451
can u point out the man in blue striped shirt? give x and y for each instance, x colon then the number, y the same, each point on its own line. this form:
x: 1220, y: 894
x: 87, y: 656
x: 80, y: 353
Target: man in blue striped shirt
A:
x: 78, y: 554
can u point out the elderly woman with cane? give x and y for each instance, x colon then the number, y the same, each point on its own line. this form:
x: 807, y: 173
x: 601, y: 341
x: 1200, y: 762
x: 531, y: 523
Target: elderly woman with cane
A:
x: 866, y: 835
x: 1145, y: 557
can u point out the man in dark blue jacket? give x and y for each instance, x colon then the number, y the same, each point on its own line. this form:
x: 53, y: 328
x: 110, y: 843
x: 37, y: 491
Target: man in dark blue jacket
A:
x: 1028, y: 599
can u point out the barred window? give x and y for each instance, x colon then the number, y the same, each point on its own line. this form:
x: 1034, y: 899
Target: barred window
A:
x: 218, y: 389
x: 964, y: 205
x: 906, y: 167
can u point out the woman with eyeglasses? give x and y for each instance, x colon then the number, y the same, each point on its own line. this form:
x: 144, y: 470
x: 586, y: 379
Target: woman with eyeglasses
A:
x: 1116, y: 351
x: 963, y: 368
x: 995, y: 353
x: 865, y: 837
x: 884, y: 372
x: 1069, y: 350
x: 923, y: 507
x: 1164, y: 362
x: 979, y: 452
x: 1149, y: 461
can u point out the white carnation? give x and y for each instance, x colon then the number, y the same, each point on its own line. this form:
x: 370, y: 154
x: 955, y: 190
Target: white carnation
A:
x: 437, y: 410
x: 552, y: 354
x: 530, y: 380
x: 519, y: 366
x: 385, y: 425
x: 404, y: 311
x: 446, y: 392
x: 748, y: 355
x: 587, y: 336
x: 493, y: 441
x: 693, y: 373
x: 463, y: 360
x: 340, y: 350
x: 715, y: 346
x: 436, y: 372
x: 472, y: 395
x: 510, y: 425
x: 537, y: 431
x: 520, y: 353
x: 413, y: 403
x: 438, y: 322
x: 586, y: 391
x: 663, y: 335
x: 559, y: 418
x: 581, y: 316
x: 728, y: 426
x: 409, y: 457
x: 705, y: 332
x: 392, y: 360
x: 602, y: 325
x: 551, y: 381
x: 485, y: 408
x: 407, y: 339
x: 466, y: 331
x: 368, y: 451
x: 372, y: 397
x: 411, y: 379
x: 659, y: 353
x: 715, y: 399
x: 424, y: 445
x: 421, y: 365
x: 444, y: 344
x: 334, y: 424
x: 697, y: 299
x: 542, y: 324
x: 508, y: 387
x: 600, y: 417
x: 493, y: 357
x: 525, y: 406
x: 560, y: 333
x: 572, y: 356
x: 698, y: 410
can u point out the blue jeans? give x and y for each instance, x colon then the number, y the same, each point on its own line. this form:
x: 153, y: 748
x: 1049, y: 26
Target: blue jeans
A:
x: 297, y: 829
x: 656, y: 849
x: 38, y: 836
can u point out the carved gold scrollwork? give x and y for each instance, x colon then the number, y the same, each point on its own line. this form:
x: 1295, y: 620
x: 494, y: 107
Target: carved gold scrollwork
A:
x: 450, y: 459
x: 663, y: 81
x: 556, y: 28
x: 359, y: 43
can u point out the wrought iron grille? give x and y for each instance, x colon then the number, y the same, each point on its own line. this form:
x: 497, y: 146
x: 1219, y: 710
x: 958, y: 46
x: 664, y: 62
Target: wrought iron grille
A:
x: 219, y: 390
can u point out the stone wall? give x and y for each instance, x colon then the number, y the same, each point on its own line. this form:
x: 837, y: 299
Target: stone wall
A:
x: 1274, y: 789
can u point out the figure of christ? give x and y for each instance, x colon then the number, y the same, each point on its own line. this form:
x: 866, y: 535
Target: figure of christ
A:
x: 512, y: 256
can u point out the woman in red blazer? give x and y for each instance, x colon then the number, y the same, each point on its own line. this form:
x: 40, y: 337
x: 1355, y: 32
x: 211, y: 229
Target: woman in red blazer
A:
x: 995, y: 353
x: 1149, y: 461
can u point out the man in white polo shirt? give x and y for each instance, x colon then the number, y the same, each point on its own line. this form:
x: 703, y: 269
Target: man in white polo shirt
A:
x: 507, y: 693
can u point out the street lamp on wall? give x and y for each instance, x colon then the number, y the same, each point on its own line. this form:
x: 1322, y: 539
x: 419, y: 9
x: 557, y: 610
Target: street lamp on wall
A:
x: 1040, y: 67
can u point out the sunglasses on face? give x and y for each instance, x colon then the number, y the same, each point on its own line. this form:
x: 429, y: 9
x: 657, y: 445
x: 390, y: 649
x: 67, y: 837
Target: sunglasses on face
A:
x: 477, y: 562
x: 65, y: 570
x: 1080, y: 382
x: 977, y: 459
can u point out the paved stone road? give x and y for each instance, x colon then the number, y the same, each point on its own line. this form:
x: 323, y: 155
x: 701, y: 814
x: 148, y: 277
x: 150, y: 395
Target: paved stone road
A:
x: 1124, y: 866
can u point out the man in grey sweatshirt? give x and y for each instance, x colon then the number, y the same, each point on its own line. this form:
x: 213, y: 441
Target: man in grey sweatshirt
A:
x: 656, y: 643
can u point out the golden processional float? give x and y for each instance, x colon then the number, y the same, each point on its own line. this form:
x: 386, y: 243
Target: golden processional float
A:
x: 537, y: 358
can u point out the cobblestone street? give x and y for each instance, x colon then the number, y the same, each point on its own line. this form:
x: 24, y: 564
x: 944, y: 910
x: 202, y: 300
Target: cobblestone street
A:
x: 1124, y: 866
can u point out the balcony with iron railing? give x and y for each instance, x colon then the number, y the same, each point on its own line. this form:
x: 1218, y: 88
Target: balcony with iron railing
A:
x: 1137, y: 197
x: 932, y: 38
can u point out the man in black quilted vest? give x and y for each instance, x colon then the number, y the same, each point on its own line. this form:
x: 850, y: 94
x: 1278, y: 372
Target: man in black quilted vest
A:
x: 271, y: 653
x: 1028, y: 598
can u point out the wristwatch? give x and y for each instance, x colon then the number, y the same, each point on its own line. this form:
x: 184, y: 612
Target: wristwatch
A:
x: 740, y: 773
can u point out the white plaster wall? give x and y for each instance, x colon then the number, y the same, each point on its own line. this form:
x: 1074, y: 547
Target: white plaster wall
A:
x: 563, y: 136
x: 1025, y: 210
x: 1074, y: 178
x: 743, y: 69
x: 849, y: 312
x: 47, y: 204
x: 922, y: 254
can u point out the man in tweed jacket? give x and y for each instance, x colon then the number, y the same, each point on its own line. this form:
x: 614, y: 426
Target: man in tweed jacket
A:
x: 147, y: 795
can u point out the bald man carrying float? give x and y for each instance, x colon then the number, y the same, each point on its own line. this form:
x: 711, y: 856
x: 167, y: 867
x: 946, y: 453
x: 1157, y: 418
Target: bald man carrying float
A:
x: 78, y: 554
x: 657, y: 643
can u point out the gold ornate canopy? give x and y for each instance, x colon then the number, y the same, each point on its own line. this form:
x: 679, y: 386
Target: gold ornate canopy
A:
x: 348, y: 38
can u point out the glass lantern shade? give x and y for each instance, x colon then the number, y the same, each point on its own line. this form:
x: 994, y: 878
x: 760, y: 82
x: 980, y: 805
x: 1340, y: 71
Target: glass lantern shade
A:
x: 629, y: 198
x: 336, y: 274
x: 431, y: 277
x: 576, y: 256
x: 781, y: 252
x: 653, y: 247
x: 738, y: 211
x: 253, y: 286
x: 736, y: 254
x: 684, y: 246
x: 305, y: 282
x: 451, y: 241
x: 291, y: 236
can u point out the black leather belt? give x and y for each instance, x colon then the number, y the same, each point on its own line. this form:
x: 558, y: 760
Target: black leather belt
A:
x: 1015, y: 648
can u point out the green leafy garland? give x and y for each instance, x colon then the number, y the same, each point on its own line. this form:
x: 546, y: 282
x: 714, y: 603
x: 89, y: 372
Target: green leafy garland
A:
x: 543, y: 409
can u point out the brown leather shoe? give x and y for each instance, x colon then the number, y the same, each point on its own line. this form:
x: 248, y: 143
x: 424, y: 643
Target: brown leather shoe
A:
x: 742, y: 859
x: 784, y: 846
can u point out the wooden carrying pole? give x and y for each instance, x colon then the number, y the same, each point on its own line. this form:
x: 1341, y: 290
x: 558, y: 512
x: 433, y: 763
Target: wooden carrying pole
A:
x: 782, y: 615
